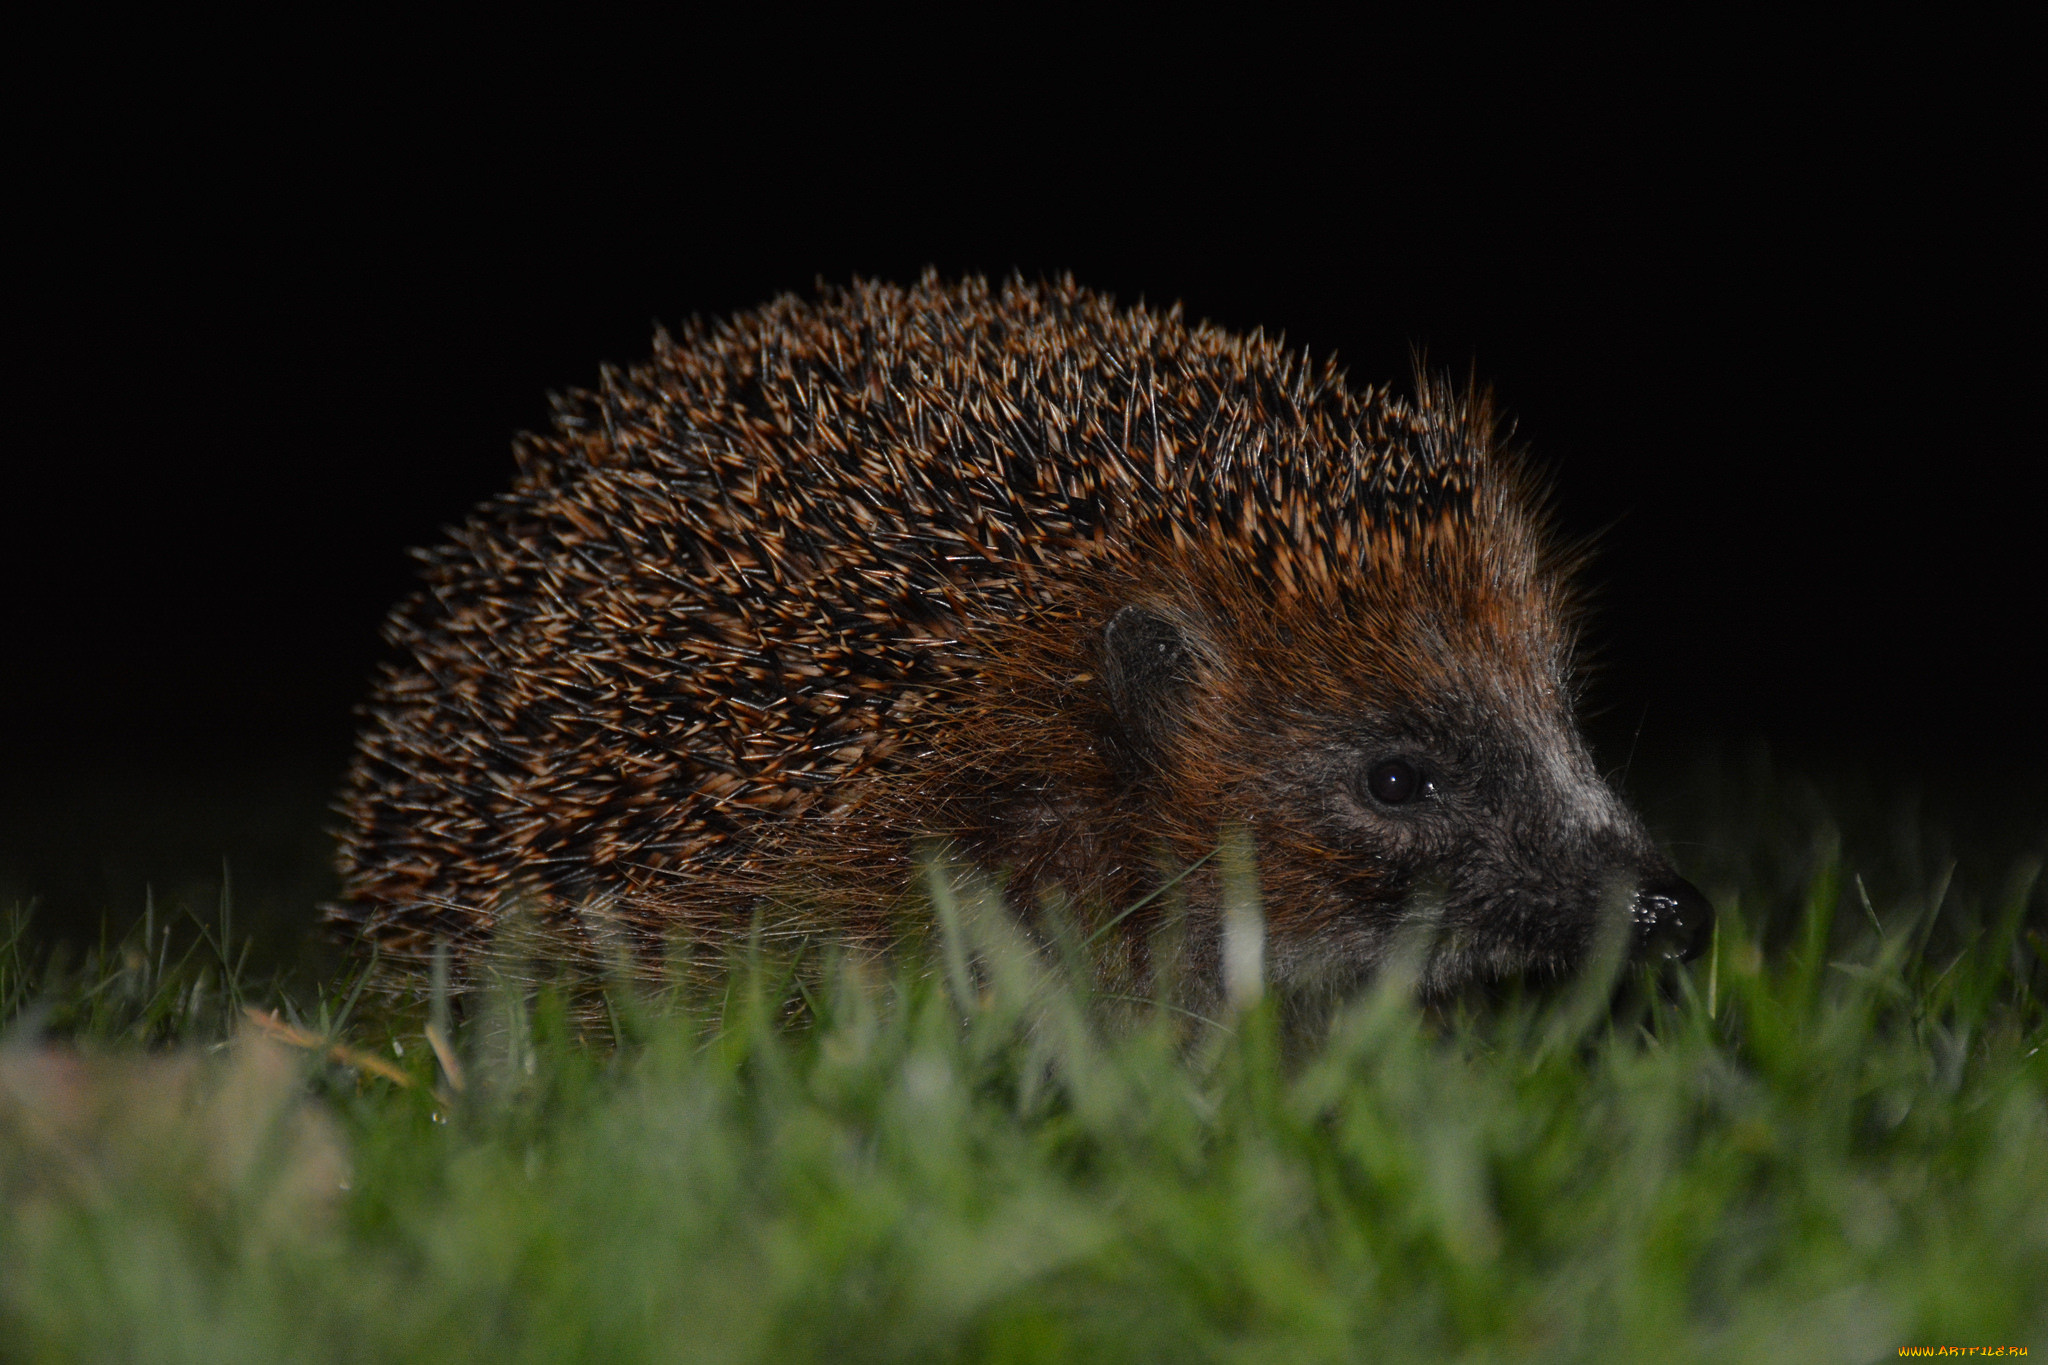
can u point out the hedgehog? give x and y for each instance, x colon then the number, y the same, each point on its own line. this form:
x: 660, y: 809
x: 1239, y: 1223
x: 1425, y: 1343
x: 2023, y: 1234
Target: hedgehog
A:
x: 1069, y: 587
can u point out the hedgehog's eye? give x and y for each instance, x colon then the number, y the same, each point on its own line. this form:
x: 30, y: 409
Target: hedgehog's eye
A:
x: 1394, y: 782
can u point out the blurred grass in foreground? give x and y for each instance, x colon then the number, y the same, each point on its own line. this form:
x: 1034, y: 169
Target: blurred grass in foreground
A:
x: 1827, y: 1141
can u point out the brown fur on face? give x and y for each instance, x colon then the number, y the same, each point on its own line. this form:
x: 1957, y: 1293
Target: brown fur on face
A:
x: 1074, y: 586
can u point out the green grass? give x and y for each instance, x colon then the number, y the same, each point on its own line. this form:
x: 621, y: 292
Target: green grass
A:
x: 1829, y: 1140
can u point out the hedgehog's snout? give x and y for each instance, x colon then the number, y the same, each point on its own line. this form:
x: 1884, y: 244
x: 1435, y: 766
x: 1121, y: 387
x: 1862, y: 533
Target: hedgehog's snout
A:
x: 1672, y: 921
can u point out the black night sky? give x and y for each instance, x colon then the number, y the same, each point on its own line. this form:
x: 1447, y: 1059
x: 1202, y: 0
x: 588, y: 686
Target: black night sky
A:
x: 1774, y: 328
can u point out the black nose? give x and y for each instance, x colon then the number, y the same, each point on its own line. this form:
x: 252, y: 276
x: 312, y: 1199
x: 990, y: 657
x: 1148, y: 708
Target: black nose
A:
x: 1672, y: 921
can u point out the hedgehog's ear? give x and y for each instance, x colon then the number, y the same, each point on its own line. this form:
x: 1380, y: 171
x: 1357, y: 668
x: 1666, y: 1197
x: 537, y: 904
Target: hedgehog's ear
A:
x: 1148, y: 667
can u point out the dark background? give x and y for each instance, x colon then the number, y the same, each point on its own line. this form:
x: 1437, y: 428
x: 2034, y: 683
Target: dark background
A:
x: 1772, y: 322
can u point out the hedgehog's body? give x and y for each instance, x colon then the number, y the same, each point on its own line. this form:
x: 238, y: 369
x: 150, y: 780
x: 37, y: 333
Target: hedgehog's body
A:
x: 1071, y: 586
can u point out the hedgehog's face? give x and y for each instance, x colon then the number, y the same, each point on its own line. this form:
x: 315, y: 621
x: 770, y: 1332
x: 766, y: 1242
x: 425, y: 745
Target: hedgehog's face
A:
x: 1481, y: 825
x: 1450, y: 796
